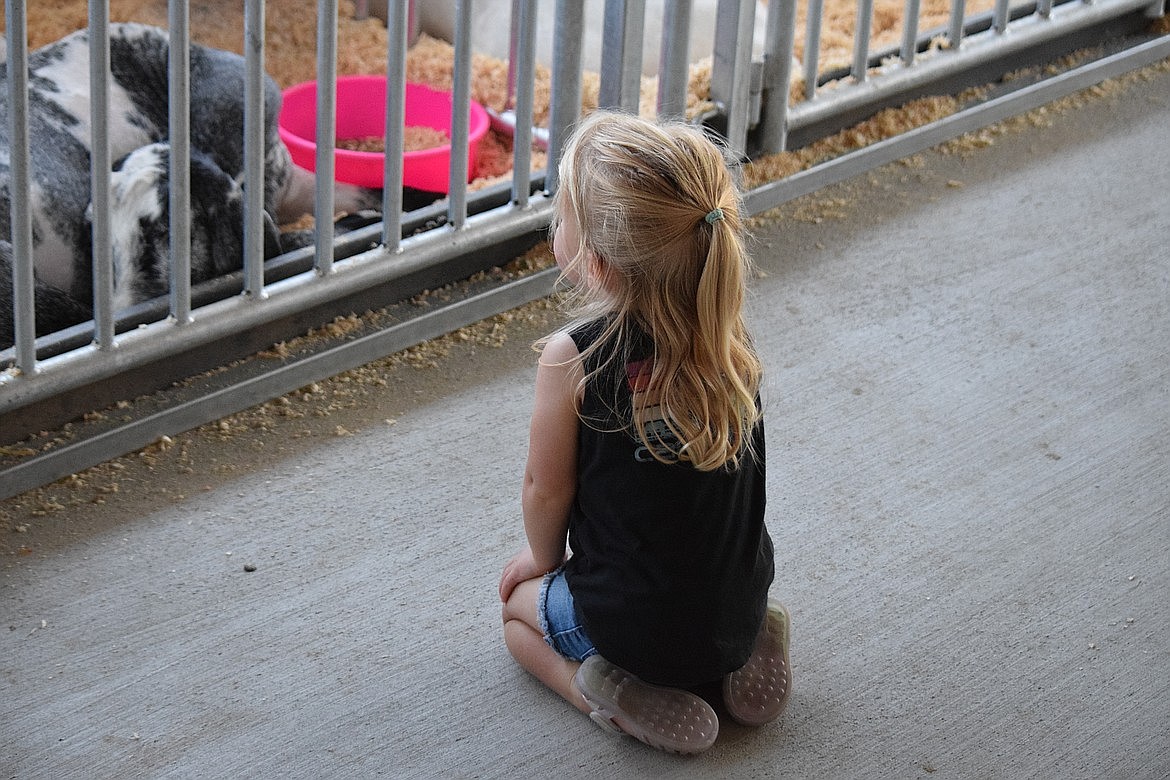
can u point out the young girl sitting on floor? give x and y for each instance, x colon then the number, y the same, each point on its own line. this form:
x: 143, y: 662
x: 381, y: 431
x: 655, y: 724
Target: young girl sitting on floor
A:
x: 647, y: 452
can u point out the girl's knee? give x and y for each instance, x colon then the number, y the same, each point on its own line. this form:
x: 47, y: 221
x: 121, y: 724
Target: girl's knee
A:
x: 521, y: 605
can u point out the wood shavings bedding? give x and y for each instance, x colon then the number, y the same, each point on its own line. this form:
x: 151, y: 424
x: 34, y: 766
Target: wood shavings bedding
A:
x: 362, y: 46
x: 414, y: 139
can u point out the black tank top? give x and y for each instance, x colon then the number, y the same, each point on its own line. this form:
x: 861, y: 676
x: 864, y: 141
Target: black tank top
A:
x: 670, y: 566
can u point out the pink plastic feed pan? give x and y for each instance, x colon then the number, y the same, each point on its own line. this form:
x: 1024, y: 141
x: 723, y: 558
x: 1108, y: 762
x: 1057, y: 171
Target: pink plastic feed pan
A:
x: 361, y: 113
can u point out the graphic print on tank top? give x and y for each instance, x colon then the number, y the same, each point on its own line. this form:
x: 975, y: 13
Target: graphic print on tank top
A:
x: 647, y: 411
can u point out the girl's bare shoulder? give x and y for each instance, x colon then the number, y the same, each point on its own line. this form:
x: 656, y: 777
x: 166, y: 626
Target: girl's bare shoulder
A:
x: 559, y: 350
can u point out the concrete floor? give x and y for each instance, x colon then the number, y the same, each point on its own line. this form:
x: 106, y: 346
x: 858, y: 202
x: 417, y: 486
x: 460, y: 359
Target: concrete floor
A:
x: 969, y: 440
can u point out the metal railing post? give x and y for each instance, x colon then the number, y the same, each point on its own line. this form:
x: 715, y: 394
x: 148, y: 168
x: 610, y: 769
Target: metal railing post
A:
x: 910, y: 31
x: 812, y: 46
x: 565, y: 103
x: 99, y: 156
x: 731, y: 69
x: 255, y: 124
x: 621, y: 54
x: 521, y: 70
x: 955, y: 27
x: 326, y: 137
x: 861, y: 37
x: 397, y: 32
x: 460, y: 116
x: 23, y: 298
x: 179, y: 110
x: 674, y: 59
x: 772, y: 134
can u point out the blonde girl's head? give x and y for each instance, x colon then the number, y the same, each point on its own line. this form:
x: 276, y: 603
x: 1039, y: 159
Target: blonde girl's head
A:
x: 659, y: 246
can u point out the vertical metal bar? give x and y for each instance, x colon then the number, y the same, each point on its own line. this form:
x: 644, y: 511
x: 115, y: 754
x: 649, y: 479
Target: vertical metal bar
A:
x: 397, y: 20
x: 23, y: 299
x: 179, y: 101
x: 955, y: 31
x: 326, y: 132
x: 861, y: 38
x: 731, y: 68
x: 1044, y: 9
x: 621, y: 54
x: 674, y: 59
x: 521, y: 67
x: 910, y: 32
x: 460, y: 112
x: 772, y: 135
x: 514, y: 22
x: 1000, y: 16
x: 99, y: 120
x: 255, y: 124
x: 565, y: 104
x: 812, y: 46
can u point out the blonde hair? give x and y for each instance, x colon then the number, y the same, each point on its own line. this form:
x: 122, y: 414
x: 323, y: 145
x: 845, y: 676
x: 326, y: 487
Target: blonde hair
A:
x: 657, y: 207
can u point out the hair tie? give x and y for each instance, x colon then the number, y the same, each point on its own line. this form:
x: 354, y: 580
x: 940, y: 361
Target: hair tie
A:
x: 713, y: 216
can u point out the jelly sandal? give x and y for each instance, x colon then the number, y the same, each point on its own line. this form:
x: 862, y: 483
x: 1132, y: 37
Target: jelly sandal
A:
x: 664, y: 718
x: 757, y: 693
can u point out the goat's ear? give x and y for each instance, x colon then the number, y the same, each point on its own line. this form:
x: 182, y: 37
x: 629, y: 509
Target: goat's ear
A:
x: 141, y: 179
x: 272, y: 245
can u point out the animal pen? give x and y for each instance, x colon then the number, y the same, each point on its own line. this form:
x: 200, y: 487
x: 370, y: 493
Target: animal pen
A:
x: 762, y: 104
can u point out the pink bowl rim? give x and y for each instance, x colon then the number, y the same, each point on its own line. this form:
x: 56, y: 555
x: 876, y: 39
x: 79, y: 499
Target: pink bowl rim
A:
x: 477, y: 127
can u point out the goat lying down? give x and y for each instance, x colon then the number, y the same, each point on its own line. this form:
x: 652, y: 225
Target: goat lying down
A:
x: 60, y: 199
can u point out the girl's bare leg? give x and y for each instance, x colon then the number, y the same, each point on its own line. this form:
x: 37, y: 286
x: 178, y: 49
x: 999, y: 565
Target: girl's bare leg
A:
x: 526, y: 643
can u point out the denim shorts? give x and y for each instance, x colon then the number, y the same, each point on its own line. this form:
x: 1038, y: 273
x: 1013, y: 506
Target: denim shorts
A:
x: 558, y: 619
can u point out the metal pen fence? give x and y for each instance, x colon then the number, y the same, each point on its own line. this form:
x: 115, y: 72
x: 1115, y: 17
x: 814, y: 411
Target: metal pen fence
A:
x: 753, y: 108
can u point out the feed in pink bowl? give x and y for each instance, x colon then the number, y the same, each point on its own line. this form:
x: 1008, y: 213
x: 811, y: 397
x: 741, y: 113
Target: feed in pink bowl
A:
x: 361, y: 114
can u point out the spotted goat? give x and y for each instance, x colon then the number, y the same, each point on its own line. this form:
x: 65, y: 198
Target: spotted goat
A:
x: 60, y: 139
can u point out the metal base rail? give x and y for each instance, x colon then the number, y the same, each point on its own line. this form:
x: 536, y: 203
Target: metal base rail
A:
x: 54, y: 464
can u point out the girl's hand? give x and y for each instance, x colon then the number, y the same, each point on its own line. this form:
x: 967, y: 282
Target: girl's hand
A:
x: 521, y: 568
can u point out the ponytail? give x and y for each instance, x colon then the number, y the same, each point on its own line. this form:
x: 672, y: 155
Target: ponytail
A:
x: 659, y: 209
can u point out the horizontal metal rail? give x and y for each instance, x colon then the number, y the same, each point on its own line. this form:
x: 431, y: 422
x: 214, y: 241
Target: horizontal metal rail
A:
x: 52, y: 465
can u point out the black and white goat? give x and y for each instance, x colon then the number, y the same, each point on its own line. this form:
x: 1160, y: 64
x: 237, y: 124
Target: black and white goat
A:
x: 60, y: 199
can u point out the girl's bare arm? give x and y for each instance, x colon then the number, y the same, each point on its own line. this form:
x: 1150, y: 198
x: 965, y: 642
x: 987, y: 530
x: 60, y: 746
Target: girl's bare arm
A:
x: 550, y: 476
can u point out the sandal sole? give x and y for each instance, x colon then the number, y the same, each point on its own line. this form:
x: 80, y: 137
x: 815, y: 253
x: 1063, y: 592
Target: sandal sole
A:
x: 757, y: 693
x: 664, y: 718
